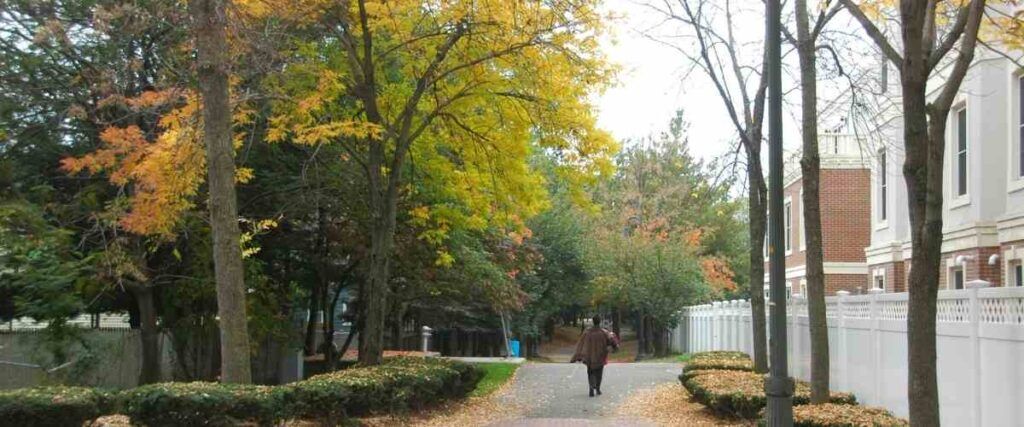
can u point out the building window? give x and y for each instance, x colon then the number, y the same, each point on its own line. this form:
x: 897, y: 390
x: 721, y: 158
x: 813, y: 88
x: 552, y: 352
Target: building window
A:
x: 788, y: 212
x: 956, y: 278
x: 1016, y: 278
x: 883, y: 186
x: 802, y: 230
x: 803, y: 287
x: 1020, y: 126
x: 879, y: 279
x: 960, y: 166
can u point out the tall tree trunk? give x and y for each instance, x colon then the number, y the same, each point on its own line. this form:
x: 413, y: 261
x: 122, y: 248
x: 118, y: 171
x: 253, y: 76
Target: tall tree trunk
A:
x: 641, y: 337
x: 398, y: 312
x: 330, y: 354
x: 658, y: 333
x: 371, y: 346
x: 756, y: 205
x: 309, y: 347
x: 210, y: 21
x: 649, y: 335
x: 921, y: 168
x: 352, y: 333
x: 924, y: 127
x: 149, y: 335
x: 924, y: 139
x: 810, y: 165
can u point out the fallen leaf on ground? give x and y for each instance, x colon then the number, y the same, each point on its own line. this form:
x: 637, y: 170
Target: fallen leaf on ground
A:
x: 669, y: 405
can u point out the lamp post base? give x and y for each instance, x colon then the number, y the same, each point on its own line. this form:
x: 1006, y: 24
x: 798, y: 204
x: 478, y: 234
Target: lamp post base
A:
x: 779, y: 392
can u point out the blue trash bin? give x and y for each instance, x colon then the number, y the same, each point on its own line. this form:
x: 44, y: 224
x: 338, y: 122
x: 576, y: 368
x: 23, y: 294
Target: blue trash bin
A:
x: 515, y: 347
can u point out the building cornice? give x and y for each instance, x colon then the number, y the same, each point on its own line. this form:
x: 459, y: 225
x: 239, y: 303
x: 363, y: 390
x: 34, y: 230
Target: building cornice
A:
x: 800, y: 271
x: 1010, y: 227
x: 972, y: 235
x: 885, y: 253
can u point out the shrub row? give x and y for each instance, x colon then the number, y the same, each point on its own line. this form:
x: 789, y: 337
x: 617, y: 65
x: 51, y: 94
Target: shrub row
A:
x: 53, y: 406
x: 720, y: 355
x: 741, y: 393
x: 203, y: 403
x: 724, y: 381
x: 716, y: 360
x: 397, y: 385
x: 833, y: 415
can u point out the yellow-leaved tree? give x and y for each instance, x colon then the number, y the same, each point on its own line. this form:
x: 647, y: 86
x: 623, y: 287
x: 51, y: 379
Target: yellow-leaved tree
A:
x: 461, y: 92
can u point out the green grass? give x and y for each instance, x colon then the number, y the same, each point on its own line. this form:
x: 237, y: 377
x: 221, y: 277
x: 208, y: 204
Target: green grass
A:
x: 667, y: 359
x: 495, y: 375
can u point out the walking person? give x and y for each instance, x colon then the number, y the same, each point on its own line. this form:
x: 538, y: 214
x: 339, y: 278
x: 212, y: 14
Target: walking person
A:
x: 592, y: 350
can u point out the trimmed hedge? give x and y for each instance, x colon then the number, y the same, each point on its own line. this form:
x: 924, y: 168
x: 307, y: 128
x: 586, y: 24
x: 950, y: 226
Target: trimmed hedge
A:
x: 741, y: 393
x: 399, y: 384
x: 833, y: 415
x: 203, y: 404
x: 720, y: 355
x: 716, y: 360
x: 53, y: 406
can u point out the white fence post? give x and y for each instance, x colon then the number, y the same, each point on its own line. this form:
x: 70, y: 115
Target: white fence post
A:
x: 744, y: 310
x: 844, y: 359
x: 876, y: 345
x: 734, y: 324
x: 975, y: 313
x: 716, y: 327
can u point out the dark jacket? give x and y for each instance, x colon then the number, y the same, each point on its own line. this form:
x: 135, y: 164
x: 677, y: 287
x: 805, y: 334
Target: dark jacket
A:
x: 592, y: 349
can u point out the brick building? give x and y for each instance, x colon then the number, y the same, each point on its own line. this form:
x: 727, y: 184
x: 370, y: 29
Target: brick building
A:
x: 983, y: 218
x: 845, y: 187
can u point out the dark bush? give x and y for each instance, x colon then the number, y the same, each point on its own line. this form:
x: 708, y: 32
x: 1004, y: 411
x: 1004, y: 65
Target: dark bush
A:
x: 53, y: 406
x: 395, y: 386
x: 741, y: 394
x: 203, y: 404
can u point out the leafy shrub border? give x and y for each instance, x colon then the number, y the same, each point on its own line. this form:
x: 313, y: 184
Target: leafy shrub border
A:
x: 399, y: 384
x: 716, y: 360
x: 53, y: 406
x: 835, y: 415
x: 741, y: 393
x: 720, y: 355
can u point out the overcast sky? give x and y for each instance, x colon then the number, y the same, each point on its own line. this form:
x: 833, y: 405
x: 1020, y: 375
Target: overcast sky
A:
x: 652, y: 87
x: 656, y: 80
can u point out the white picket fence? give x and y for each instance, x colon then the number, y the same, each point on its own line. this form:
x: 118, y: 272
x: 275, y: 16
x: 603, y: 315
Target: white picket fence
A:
x: 980, y: 342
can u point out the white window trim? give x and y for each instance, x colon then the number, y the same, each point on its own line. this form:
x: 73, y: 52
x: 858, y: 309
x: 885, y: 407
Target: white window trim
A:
x: 1014, y: 177
x: 801, y: 233
x: 958, y: 200
x: 950, y: 279
x: 879, y: 273
x: 803, y: 288
x: 1011, y: 273
x: 880, y: 223
x: 787, y: 240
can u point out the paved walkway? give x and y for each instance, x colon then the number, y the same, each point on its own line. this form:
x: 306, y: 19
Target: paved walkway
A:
x: 555, y: 394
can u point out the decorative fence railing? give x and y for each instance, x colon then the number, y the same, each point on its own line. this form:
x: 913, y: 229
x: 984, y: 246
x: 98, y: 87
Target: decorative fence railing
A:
x: 979, y: 338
